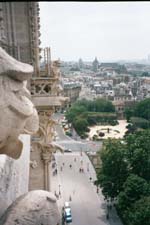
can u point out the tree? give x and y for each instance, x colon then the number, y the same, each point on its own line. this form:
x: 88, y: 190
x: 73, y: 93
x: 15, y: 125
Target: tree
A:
x: 73, y: 112
x: 128, y: 113
x: 125, y: 174
x: 131, y: 129
x: 145, y: 74
x: 114, y: 170
x: 139, y: 214
x: 102, y: 105
x: 138, y: 153
x: 139, y: 122
x: 133, y: 189
x: 142, y: 109
x: 80, y: 125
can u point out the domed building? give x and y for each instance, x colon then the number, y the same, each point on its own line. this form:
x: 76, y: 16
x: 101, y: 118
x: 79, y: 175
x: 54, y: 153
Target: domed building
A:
x: 95, y: 65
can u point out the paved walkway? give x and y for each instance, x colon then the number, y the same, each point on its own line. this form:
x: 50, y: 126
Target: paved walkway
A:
x: 61, y: 180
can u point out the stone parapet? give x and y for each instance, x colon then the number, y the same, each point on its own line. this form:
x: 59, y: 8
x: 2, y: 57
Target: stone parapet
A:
x: 14, y: 175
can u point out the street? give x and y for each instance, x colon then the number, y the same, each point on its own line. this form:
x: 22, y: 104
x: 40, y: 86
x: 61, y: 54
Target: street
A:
x: 87, y: 206
x: 73, y: 144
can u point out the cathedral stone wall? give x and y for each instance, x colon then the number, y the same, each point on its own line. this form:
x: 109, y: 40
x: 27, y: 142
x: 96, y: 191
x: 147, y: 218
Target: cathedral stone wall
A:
x: 14, y: 175
x: 36, y: 181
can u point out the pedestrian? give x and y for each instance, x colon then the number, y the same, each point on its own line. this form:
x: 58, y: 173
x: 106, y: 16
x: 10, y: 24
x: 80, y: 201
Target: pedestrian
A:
x: 70, y: 166
x: 70, y: 199
x: 81, y: 170
x: 107, y: 216
x: 56, y: 171
x: 87, y: 167
x: 74, y: 159
x: 97, y: 190
x: 63, y: 163
x: 61, y: 168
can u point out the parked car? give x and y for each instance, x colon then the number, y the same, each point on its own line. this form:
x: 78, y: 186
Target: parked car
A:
x: 66, y: 213
x: 67, y: 150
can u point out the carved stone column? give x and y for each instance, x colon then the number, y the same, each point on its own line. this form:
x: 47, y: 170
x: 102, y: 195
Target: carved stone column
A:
x: 46, y: 97
x: 46, y: 157
x: 44, y: 147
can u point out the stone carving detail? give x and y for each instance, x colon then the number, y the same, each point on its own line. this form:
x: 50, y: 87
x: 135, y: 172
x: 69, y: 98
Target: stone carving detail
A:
x: 46, y: 86
x: 56, y: 74
x: 46, y: 129
x: 44, y: 141
x: 17, y: 113
x: 33, y: 164
x: 41, y: 86
x: 42, y: 209
x: 46, y: 134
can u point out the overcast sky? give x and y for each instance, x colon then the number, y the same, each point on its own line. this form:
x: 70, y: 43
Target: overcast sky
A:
x: 108, y: 30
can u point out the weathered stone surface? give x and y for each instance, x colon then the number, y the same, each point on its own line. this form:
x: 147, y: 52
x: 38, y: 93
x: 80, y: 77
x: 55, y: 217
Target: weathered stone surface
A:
x: 17, y: 113
x: 14, y: 175
x: 13, y: 68
x: 34, y: 208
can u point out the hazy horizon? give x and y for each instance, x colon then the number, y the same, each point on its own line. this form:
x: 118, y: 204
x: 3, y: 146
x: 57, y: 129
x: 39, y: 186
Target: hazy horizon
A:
x: 110, y: 31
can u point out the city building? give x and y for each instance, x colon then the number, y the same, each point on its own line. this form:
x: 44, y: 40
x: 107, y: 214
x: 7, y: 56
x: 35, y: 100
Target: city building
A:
x: 81, y: 64
x: 72, y: 91
x: 95, y: 65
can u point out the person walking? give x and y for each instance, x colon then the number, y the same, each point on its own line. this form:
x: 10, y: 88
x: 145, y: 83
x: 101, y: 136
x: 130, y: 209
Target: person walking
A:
x: 87, y: 167
x: 70, y: 166
x: 70, y: 199
x: 56, y: 171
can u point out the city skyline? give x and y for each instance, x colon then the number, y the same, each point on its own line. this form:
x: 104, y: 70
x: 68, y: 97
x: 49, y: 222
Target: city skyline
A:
x: 110, y: 31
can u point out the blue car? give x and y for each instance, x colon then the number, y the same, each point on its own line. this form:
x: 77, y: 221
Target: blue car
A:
x: 67, y: 215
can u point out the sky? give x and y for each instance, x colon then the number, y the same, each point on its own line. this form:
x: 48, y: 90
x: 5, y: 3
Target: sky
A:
x: 106, y: 30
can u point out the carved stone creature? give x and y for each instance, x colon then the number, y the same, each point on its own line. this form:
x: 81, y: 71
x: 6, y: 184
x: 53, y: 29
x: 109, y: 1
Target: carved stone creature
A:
x: 17, y: 113
x: 55, y: 69
x: 34, y: 208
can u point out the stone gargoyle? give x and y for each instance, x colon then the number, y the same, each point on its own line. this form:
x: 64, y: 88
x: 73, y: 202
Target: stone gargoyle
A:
x: 17, y: 113
x: 37, y: 207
